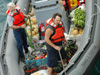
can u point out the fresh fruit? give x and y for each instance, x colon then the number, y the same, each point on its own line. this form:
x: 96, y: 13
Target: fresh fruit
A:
x: 65, y: 48
x: 28, y: 27
x: 80, y: 31
x: 34, y: 20
x: 72, y: 29
x: 36, y: 27
x: 36, y: 30
x: 31, y: 23
x: 28, y: 31
x: 79, y: 19
x: 31, y: 19
x: 75, y: 32
x: 33, y: 33
x: 37, y: 58
x: 27, y: 22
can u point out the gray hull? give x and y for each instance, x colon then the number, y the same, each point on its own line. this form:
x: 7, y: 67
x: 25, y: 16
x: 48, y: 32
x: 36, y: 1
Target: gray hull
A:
x: 80, y: 64
x: 8, y: 50
x: 89, y: 51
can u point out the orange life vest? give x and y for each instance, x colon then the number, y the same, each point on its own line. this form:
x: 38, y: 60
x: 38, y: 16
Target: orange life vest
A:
x: 18, y: 16
x: 81, y: 2
x: 59, y: 31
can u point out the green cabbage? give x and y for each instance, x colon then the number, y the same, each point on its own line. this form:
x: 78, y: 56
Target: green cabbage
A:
x: 79, y: 20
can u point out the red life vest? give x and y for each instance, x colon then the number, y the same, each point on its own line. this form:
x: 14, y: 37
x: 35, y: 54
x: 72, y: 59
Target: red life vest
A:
x: 18, y: 16
x: 81, y: 2
x: 59, y: 31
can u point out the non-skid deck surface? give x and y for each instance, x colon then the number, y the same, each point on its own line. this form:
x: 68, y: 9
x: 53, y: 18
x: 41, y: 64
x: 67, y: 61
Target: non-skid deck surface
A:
x: 21, y: 65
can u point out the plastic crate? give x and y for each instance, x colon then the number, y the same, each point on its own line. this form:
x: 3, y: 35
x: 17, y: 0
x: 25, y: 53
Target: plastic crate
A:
x: 37, y: 62
x: 31, y: 60
x: 41, y: 61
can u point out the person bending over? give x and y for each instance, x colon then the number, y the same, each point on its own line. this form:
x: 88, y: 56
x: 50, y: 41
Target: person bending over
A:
x: 54, y: 36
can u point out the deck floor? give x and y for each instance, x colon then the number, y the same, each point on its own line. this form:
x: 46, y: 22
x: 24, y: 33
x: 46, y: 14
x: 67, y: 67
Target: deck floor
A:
x: 21, y: 65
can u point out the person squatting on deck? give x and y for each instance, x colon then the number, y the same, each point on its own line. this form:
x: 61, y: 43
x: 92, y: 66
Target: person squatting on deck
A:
x: 54, y: 35
x: 16, y: 21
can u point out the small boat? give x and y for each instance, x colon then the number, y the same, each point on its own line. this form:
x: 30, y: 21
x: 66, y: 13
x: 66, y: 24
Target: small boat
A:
x: 82, y: 61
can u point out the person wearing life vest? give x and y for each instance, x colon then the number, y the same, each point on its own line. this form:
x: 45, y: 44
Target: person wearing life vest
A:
x: 54, y: 36
x: 15, y: 20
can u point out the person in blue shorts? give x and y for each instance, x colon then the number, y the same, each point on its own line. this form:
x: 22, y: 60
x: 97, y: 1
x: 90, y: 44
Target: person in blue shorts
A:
x: 54, y: 36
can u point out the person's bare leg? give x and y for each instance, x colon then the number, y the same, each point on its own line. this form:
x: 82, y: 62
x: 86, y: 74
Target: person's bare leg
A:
x: 50, y: 70
x: 64, y: 63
